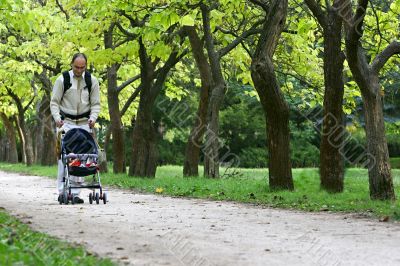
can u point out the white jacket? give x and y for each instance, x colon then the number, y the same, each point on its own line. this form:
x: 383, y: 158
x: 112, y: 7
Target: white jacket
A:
x: 76, y: 100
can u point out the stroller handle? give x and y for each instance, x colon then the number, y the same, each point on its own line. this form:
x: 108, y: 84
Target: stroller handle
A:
x: 86, y: 155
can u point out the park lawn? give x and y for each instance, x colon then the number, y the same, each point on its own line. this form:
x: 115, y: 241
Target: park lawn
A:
x: 251, y: 186
x: 19, y: 245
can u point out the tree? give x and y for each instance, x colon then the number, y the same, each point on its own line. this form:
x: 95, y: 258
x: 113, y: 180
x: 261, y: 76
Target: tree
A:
x: 45, y: 136
x: 144, y: 138
x: 26, y: 137
x: 238, y: 31
x: 192, y: 150
x: 366, y: 74
x: 113, y: 92
x: 331, y: 159
x: 275, y: 107
x: 11, y: 145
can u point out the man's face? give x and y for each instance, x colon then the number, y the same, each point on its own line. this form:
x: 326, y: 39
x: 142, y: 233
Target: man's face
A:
x: 79, y: 66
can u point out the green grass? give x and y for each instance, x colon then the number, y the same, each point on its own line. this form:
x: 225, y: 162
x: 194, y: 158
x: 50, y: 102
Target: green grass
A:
x: 21, y: 246
x: 250, y: 186
x: 395, y: 162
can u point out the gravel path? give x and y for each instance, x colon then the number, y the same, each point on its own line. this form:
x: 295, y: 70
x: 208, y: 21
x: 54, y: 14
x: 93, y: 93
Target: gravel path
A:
x: 140, y: 229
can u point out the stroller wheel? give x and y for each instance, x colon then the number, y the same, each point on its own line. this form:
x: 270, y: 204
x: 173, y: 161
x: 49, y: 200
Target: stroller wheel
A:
x: 65, y: 198
x: 90, y: 198
x: 97, y: 198
x: 104, y: 198
x: 60, y: 199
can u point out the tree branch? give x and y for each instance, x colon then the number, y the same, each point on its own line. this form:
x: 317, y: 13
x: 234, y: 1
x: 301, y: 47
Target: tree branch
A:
x: 134, y: 22
x: 252, y: 31
x: 381, y: 59
x: 62, y: 9
x: 16, y: 99
x: 130, y: 100
x: 45, y: 66
x: 358, y: 20
x: 126, y: 83
x: 126, y: 32
x: 377, y: 25
x: 318, y: 13
x: 261, y: 4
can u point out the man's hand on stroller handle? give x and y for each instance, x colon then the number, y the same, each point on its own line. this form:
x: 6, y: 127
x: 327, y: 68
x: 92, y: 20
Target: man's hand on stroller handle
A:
x: 60, y: 123
x: 91, y: 123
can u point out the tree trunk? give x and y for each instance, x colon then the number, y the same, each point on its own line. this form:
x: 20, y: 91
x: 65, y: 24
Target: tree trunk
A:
x: 331, y: 159
x: 3, y: 147
x: 144, y: 139
x: 118, y: 145
x: 44, y: 131
x: 144, y: 151
x: 103, y: 165
x: 11, y: 144
x: 367, y: 77
x: 26, y: 140
x: 22, y: 141
x: 192, y: 152
x: 212, y: 145
x: 46, y: 156
x: 276, y: 112
x: 275, y: 107
x: 380, y: 177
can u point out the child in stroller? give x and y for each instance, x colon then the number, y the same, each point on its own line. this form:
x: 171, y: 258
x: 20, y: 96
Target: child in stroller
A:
x: 79, y: 156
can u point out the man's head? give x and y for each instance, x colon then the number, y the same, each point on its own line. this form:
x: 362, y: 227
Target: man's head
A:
x: 78, y: 64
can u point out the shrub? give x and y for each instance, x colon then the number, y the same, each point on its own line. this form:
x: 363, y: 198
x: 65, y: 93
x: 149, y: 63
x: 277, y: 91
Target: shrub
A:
x: 253, y: 157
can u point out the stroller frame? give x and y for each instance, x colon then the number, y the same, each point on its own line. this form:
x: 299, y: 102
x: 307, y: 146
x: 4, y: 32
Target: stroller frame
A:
x: 68, y: 149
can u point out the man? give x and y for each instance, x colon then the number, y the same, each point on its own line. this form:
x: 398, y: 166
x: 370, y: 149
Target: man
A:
x: 76, y: 106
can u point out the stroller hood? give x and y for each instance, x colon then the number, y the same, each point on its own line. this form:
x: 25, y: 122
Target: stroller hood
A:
x: 79, y: 141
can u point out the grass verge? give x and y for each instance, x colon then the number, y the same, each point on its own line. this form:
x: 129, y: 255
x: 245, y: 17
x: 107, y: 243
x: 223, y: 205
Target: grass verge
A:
x: 250, y: 186
x: 19, y: 245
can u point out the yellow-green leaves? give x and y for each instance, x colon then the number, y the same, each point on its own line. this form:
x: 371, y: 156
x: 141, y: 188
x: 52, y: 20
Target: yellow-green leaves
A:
x: 188, y: 20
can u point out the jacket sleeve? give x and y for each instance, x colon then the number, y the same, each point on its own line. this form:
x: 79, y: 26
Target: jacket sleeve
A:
x: 55, y: 101
x: 95, y: 100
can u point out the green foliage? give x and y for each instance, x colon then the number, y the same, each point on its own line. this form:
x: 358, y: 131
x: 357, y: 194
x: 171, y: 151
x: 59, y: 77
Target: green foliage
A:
x: 253, y: 157
x: 395, y: 162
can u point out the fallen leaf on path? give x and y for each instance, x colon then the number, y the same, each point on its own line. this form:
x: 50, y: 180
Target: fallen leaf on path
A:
x: 384, y: 219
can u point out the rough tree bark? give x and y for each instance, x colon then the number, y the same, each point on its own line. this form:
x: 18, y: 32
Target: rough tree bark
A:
x: 217, y: 90
x: 26, y: 137
x: 144, y: 137
x: 47, y: 137
x: 195, y: 140
x: 118, y: 146
x: 11, y: 144
x: 103, y: 165
x: 3, y: 147
x: 275, y: 107
x: 331, y: 159
x: 212, y: 145
x: 367, y: 77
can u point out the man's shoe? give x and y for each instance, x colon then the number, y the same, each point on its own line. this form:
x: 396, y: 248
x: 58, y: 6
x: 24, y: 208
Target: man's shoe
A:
x: 78, y: 200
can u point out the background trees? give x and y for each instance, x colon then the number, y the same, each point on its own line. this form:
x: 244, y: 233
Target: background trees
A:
x: 245, y: 75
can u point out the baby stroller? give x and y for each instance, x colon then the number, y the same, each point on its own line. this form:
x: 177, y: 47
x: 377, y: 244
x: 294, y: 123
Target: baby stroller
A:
x: 79, y: 154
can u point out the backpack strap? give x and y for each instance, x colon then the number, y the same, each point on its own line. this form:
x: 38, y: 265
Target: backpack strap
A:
x: 68, y: 84
x: 88, y: 81
x: 67, y: 81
